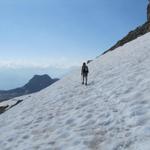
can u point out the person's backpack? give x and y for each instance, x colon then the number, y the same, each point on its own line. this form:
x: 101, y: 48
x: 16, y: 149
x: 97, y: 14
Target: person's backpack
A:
x: 85, y: 69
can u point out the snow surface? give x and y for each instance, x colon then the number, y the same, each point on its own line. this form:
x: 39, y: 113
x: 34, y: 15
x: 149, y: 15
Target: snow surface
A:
x: 111, y: 113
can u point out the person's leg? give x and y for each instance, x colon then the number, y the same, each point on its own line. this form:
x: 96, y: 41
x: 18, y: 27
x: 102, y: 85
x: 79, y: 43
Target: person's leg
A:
x: 149, y: 18
x: 82, y: 79
x: 86, y: 80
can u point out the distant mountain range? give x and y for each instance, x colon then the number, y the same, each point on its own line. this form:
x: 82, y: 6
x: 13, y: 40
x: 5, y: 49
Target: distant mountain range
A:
x: 37, y: 83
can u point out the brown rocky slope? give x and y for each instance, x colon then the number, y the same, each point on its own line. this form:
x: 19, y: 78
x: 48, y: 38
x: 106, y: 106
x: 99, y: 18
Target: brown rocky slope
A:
x: 139, y: 31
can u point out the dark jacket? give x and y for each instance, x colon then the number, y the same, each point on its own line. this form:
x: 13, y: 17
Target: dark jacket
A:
x: 85, y: 70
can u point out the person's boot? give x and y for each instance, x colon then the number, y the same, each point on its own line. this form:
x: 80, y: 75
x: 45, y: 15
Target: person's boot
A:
x: 82, y: 82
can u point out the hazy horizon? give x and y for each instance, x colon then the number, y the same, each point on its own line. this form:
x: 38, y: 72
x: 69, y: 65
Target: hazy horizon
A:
x: 50, y: 37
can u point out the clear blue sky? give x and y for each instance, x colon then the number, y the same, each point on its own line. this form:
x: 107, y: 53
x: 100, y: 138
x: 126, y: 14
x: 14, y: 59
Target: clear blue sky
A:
x: 63, y: 32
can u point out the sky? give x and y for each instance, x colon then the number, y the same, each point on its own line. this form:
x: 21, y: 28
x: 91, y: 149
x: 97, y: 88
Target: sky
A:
x: 52, y: 36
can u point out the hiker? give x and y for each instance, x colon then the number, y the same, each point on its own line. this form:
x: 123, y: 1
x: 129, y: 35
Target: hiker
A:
x: 84, y: 73
x: 148, y: 11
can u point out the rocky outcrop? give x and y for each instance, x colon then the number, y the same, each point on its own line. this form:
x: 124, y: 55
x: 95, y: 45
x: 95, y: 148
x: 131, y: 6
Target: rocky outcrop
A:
x: 89, y: 61
x: 7, y: 105
x: 139, y: 31
x: 3, y: 109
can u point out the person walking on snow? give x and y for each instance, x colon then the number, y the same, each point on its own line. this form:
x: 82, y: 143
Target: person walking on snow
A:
x: 84, y: 73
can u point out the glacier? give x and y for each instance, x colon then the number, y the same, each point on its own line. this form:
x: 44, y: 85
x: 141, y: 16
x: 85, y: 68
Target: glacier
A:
x: 111, y: 113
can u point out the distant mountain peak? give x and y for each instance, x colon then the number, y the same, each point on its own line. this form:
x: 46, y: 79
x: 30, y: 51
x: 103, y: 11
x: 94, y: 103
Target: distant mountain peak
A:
x: 42, y: 76
x: 39, y: 82
x: 35, y: 84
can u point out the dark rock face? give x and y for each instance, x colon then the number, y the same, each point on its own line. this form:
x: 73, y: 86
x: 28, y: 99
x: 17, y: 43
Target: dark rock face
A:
x: 7, y: 107
x: 3, y: 109
x: 89, y: 61
x: 139, y: 31
x: 36, y: 84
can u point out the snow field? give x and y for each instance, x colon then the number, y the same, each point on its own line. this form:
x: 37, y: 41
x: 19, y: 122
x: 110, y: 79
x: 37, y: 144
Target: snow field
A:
x: 111, y: 113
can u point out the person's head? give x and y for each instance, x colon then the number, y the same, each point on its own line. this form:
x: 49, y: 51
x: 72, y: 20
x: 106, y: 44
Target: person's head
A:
x: 84, y: 64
